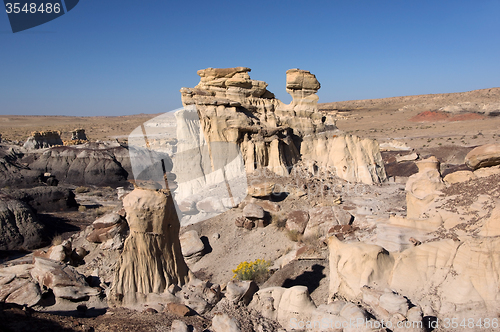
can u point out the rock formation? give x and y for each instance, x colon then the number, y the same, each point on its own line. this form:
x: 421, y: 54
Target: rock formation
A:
x: 78, y: 135
x: 422, y: 188
x: 43, y: 139
x: 448, y: 267
x: 45, y: 199
x: 151, y: 260
x: 100, y: 164
x: 270, y: 134
x: 483, y: 156
x: 19, y: 226
x: 87, y: 164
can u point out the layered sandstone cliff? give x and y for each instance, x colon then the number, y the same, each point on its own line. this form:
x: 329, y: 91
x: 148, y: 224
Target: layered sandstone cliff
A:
x: 270, y: 134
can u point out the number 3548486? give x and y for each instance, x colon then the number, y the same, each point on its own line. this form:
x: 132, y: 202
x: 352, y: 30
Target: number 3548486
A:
x: 33, y: 8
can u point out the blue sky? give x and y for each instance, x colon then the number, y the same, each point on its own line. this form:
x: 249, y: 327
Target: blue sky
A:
x: 126, y: 57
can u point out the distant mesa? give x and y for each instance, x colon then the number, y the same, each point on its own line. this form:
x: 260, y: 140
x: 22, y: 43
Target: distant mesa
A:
x: 43, y: 139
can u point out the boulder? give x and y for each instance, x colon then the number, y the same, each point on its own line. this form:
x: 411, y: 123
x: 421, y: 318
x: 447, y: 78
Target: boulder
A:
x: 191, y: 245
x: 241, y: 291
x: 261, y: 190
x: 200, y: 295
x: 406, y: 157
x: 445, y: 278
x: 458, y: 177
x: 20, y: 291
x: 268, y: 205
x: 17, y: 271
x: 253, y: 211
x: 297, y: 221
x: 108, y: 227
x: 52, y: 274
x: 59, y: 253
x: 284, y: 304
x: 244, y: 223
x: 323, y: 218
x: 483, y: 156
x: 178, y: 309
x: 179, y: 326
x: 223, y: 323
x: 19, y: 226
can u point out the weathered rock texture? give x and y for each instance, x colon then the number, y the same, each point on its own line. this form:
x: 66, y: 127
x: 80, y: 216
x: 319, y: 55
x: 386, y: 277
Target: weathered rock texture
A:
x: 44, y: 199
x: 422, y: 188
x: 442, y: 257
x: 43, y: 139
x: 270, y: 134
x: 19, y: 226
x: 483, y: 156
x: 78, y: 135
x: 446, y: 278
x: 151, y: 260
x: 101, y: 164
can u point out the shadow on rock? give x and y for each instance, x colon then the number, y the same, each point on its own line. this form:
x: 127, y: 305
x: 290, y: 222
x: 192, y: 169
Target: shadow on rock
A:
x: 310, y: 279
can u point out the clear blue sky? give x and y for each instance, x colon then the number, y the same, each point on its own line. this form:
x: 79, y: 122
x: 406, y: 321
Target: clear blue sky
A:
x: 110, y: 57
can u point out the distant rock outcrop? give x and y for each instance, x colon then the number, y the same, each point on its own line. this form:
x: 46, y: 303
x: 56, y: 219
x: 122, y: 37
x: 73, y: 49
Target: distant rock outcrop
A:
x: 78, y: 135
x: 43, y: 139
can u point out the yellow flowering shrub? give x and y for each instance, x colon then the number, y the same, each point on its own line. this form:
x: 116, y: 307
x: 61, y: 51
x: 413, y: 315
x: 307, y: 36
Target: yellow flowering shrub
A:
x: 257, y: 270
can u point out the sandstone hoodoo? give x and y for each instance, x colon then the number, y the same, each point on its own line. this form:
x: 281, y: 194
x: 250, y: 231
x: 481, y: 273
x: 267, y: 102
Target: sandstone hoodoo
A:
x: 270, y: 134
x: 151, y: 260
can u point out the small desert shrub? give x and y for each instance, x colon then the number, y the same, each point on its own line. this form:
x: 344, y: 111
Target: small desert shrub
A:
x: 257, y: 271
x: 57, y: 240
x: 82, y: 208
x: 81, y: 190
x: 102, y: 210
x: 294, y: 236
x: 278, y: 219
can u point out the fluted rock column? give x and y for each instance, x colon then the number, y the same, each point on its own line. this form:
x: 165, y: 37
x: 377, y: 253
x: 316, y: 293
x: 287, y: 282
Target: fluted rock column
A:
x: 151, y: 260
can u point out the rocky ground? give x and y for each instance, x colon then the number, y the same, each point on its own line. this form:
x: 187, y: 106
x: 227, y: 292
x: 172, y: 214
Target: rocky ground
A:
x: 294, y: 230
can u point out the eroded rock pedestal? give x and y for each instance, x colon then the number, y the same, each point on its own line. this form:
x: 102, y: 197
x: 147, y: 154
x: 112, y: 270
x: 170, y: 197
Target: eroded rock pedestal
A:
x: 151, y: 260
